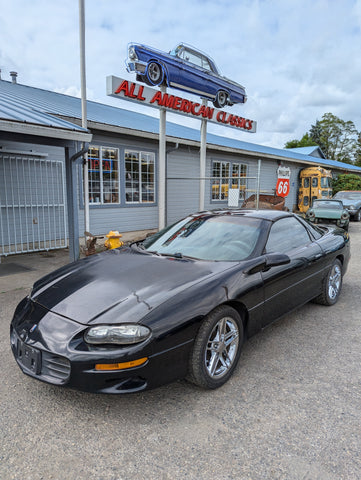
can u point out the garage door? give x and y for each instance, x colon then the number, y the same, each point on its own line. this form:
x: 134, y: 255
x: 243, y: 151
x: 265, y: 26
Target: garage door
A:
x: 32, y: 204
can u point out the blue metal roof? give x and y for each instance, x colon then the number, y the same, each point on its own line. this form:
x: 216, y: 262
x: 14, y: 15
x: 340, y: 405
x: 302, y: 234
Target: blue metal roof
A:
x: 314, y: 150
x: 44, y: 104
x: 16, y: 108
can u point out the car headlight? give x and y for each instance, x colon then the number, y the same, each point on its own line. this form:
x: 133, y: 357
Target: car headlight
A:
x: 126, y: 334
x: 310, y: 213
x: 132, y: 54
x: 344, y: 215
x: 352, y: 207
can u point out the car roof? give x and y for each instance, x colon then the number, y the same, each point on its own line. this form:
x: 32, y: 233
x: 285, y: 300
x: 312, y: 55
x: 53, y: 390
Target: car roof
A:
x: 333, y: 200
x: 324, y: 201
x: 195, y: 50
x: 271, y: 215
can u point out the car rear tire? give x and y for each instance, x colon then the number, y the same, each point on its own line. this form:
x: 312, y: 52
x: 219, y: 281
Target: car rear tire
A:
x: 331, y: 285
x: 155, y: 73
x: 221, y: 99
x: 217, y: 348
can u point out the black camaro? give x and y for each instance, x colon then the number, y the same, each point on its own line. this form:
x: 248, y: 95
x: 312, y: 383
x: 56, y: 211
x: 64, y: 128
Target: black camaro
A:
x: 179, y: 304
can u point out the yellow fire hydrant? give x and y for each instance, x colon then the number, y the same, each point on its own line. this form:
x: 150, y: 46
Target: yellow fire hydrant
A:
x: 113, y: 240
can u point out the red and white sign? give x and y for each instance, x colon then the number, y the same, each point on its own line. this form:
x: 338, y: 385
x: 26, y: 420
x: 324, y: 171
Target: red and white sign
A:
x: 283, y: 181
x: 127, y: 90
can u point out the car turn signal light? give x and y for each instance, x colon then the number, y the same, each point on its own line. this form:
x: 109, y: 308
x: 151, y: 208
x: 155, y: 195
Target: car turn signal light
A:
x: 121, y: 366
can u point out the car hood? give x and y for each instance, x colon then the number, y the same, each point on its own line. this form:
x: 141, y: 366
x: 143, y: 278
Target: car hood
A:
x: 348, y: 202
x: 327, y: 213
x: 119, y: 285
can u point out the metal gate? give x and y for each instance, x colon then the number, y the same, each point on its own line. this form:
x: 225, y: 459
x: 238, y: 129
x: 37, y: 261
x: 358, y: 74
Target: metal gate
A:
x: 32, y: 204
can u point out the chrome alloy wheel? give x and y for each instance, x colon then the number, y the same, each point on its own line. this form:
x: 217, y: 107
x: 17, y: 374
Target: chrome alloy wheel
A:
x: 334, y: 281
x: 222, y: 347
x: 155, y: 73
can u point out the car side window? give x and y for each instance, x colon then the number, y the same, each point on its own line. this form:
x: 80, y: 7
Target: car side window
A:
x: 205, y: 64
x: 286, y: 234
x: 191, y: 57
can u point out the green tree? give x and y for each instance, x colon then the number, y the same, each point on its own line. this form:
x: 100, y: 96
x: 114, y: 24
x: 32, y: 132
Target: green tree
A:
x: 338, y: 139
x: 346, y: 181
x: 358, y: 151
x: 306, y: 141
x: 315, y: 134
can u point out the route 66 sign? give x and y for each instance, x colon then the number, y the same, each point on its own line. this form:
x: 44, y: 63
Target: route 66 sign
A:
x: 283, y: 181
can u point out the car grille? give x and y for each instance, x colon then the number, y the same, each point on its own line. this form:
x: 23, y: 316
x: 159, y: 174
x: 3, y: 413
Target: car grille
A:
x: 55, y: 368
x: 39, y: 363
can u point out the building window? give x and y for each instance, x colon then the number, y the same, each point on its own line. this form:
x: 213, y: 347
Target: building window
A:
x: 228, y: 175
x: 139, y: 177
x: 103, y: 175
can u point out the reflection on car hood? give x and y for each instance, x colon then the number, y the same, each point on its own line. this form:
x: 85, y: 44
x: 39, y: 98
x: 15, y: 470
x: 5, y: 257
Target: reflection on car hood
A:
x: 118, y: 285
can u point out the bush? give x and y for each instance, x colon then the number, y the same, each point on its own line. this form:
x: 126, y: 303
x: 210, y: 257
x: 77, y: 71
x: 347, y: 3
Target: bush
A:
x: 346, y: 181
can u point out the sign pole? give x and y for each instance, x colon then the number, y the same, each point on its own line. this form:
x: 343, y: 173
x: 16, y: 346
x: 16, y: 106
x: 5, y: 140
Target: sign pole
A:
x: 84, y: 113
x: 203, y: 157
x: 162, y: 166
x: 258, y: 182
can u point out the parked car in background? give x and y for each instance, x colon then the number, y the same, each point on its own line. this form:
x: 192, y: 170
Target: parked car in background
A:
x: 351, y: 200
x: 329, y: 211
x: 178, y: 304
x: 184, y: 68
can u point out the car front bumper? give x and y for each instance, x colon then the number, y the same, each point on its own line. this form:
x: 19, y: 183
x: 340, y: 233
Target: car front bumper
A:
x: 352, y: 212
x: 53, y: 352
x: 340, y: 222
x: 136, y: 67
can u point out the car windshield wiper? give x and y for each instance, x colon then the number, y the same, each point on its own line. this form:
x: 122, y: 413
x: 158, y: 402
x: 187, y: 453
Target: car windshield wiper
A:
x: 175, y: 255
x: 139, y: 247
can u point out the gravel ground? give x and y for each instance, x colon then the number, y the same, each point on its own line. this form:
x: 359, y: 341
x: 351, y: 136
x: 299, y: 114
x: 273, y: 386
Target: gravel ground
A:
x: 291, y: 411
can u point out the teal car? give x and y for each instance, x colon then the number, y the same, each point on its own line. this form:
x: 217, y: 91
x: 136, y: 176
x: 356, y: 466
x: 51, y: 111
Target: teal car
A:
x: 329, y: 211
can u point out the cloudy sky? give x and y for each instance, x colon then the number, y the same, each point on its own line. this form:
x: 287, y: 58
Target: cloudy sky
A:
x: 297, y: 59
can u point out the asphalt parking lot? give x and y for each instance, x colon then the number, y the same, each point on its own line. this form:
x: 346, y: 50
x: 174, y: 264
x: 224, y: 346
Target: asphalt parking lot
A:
x: 291, y: 411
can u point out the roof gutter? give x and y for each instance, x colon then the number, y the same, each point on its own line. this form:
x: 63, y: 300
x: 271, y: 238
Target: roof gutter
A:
x: 39, y: 130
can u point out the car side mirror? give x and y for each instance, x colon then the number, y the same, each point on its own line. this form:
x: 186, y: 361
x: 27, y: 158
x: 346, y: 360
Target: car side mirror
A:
x: 265, y: 262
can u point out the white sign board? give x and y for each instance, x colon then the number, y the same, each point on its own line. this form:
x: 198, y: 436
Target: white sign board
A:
x: 136, y: 92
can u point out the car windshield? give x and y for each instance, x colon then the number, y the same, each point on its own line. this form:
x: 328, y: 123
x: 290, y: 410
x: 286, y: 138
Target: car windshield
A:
x: 327, y: 204
x: 348, y: 195
x: 217, y: 238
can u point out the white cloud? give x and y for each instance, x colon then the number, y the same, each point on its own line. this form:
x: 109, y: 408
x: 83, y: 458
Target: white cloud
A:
x: 297, y: 60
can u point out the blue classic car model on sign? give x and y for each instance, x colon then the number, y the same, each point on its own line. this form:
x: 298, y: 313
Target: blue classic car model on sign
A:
x: 184, y: 68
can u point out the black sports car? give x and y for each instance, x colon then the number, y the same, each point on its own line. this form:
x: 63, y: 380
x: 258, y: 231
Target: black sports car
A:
x: 179, y: 304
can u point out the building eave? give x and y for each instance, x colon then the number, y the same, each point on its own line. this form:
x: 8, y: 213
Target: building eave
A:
x: 44, y: 131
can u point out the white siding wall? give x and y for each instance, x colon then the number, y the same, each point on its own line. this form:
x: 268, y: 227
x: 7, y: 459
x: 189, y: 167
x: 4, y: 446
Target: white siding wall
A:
x: 121, y: 217
x: 182, y: 194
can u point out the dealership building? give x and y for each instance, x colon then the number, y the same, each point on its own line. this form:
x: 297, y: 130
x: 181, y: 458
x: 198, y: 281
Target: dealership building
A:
x: 42, y: 144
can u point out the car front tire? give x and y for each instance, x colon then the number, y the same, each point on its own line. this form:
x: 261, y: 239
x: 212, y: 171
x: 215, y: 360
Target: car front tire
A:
x: 217, y: 348
x: 331, y: 285
x: 155, y: 73
x: 358, y: 216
